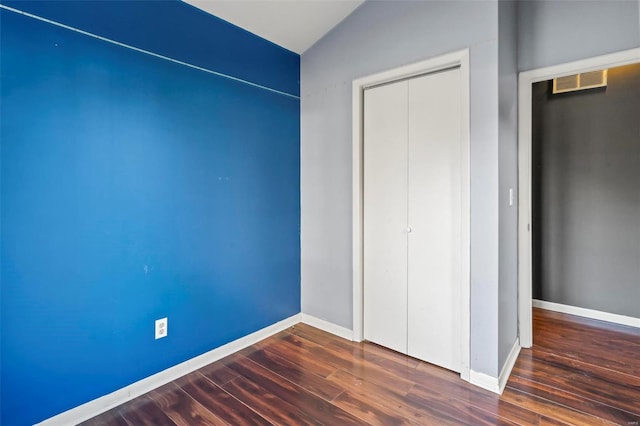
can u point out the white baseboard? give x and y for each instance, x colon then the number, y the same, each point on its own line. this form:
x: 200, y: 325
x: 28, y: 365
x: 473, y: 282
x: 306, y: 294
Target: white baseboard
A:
x: 497, y: 384
x: 327, y: 326
x: 100, y: 405
x: 587, y: 313
x: 484, y: 381
x: 503, y: 378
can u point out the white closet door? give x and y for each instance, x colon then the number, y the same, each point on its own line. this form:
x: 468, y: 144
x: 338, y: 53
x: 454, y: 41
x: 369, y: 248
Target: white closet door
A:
x: 434, y: 211
x: 385, y: 215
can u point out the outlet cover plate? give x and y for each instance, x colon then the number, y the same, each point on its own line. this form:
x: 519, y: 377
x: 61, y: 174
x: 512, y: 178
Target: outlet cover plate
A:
x: 161, y: 328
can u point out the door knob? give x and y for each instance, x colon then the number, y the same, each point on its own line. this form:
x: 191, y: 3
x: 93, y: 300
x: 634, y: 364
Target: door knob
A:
x: 409, y: 229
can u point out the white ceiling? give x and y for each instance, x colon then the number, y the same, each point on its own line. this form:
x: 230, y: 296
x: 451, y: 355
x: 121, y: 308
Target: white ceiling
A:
x: 293, y: 24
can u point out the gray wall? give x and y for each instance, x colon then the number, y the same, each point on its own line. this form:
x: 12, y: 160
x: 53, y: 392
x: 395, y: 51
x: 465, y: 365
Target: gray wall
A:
x: 508, y: 157
x: 587, y: 195
x: 382, y: 35
x: 554, y: 32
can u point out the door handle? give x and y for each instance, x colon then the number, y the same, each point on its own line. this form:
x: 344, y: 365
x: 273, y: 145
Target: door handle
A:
x: 409, y: 229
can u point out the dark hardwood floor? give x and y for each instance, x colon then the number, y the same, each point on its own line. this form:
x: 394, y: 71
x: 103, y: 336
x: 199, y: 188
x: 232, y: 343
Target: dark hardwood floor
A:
x: 579, y: 372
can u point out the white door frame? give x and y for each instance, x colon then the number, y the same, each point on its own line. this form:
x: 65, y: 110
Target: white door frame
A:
x: 454, y: 59
x: 526, y: 80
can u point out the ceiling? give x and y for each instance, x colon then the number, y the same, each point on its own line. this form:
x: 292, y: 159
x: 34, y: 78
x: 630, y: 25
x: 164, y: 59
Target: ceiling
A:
x: 293, y: 24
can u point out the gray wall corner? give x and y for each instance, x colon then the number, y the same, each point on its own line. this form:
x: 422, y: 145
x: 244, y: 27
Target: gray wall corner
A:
x: 508, y: 178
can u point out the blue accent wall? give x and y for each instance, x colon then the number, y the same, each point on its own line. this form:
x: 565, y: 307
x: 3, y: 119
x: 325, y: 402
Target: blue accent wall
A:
x: 180, y: 31
x: 134, y: 188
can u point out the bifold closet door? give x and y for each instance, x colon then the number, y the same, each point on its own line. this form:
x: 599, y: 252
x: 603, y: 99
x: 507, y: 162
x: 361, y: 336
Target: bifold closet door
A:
x: 385, y: 215
x: 413, y: 217
x: 435, y: 216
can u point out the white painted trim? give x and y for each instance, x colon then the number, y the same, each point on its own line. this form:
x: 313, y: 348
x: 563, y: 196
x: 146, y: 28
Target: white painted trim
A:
x: 327, y: 326
x: 357, y: 168
x: 100, y: 405
x: 503, y: 378
x: 525, y: 330
x: 587, y: 313
x: 461, y: 59
x: 526, y: 80
x: 484, y: 381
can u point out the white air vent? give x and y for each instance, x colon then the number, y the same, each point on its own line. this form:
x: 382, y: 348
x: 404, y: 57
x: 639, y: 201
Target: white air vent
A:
x: 587, y: 80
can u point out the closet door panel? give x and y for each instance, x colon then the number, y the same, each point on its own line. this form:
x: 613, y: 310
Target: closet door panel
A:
x: 434, y: 203
x: 385, y: 215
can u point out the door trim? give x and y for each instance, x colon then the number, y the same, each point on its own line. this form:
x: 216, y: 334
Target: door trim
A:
x: 525, y: 83
x: 455, y: 59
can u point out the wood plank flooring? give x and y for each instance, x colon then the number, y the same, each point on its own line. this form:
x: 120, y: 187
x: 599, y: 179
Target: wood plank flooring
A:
x: 579, y: 372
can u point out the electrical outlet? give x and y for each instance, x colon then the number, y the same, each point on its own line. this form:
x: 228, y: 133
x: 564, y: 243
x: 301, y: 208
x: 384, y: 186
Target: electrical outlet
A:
x: 161, y: 328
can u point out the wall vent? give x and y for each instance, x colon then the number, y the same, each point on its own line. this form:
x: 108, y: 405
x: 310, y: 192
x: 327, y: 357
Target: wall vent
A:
x: 586, y: 80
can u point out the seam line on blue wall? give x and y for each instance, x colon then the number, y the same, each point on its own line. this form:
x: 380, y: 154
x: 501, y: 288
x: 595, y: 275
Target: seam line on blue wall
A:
x: 147, y: 52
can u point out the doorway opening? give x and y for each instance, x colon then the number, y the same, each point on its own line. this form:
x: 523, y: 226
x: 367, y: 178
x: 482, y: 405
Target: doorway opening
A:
x: 570, y: 187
